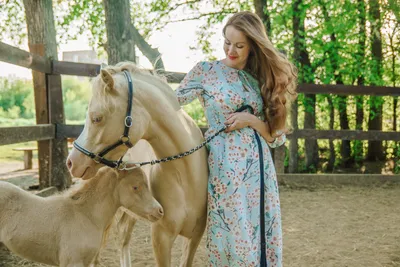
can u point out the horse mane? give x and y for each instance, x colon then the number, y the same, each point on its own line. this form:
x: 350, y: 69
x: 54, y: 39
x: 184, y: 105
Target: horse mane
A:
x: 150, y: 77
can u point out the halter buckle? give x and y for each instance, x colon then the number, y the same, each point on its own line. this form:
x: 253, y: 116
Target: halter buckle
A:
x: 128, y: 121
x: 125, y: 139
x: 97, y: 158
x: 121, y: 166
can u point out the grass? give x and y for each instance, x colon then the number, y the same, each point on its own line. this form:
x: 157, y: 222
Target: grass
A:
x: 8, y: 154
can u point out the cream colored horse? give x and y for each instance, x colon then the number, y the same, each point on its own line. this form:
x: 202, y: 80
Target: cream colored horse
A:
x: 69, y: 229
x: 181, y: 185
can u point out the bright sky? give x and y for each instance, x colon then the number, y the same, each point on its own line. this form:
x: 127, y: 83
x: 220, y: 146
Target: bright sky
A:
x: 173, y: 43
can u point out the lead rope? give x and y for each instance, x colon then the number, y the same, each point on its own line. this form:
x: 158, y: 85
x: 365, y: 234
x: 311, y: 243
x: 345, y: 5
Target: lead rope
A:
x: 123, y: 165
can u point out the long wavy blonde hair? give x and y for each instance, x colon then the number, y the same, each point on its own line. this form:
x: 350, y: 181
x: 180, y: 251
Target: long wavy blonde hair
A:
x: 276, y: 75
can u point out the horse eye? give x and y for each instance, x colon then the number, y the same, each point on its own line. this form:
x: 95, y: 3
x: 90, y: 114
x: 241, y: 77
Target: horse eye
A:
x: 97, y: 120
x: 135, y: 188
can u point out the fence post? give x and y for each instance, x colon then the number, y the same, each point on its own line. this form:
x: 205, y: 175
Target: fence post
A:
x: 293, y: 145
x: 279, y: 159
x: 42, y: 116
x: 59, y: 175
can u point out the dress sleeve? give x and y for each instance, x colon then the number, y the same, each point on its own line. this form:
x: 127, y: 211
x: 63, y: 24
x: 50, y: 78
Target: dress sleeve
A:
x: 191, y: 86
x: 280, y: 140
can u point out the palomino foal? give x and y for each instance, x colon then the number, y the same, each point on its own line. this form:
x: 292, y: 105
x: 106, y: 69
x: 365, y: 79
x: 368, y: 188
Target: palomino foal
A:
x: 69, y: 229
x: 155, y: 116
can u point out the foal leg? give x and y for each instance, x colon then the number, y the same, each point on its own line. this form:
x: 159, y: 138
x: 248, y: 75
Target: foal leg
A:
x: 189, y: 248
x: 162, y: 241
x: 124, y: 229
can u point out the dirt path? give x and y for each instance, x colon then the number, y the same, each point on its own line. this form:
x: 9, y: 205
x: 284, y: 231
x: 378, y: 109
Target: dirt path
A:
x: 353, y: 227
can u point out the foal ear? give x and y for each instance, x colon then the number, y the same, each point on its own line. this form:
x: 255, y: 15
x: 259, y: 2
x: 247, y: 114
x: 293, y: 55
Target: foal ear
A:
x: 107, y: 78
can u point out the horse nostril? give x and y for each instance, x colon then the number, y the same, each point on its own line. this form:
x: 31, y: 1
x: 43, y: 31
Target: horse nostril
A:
x: 69, y: 164
x: 161, y: 211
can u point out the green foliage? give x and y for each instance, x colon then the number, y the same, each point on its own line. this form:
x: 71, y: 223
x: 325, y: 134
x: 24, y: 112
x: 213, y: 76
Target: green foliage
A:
x: 338, y: 53
x: 195, y: 110
x: 12, y: 22
x: 15, y: 96
x: 76, y: 96
x: 17, y: 105
x: 81, y: 18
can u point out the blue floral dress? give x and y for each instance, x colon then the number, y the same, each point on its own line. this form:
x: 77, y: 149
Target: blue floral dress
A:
x: 233, y: 224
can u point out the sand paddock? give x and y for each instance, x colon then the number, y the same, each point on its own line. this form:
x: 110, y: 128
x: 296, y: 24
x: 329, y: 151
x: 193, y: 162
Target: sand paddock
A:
x: 347, y: 226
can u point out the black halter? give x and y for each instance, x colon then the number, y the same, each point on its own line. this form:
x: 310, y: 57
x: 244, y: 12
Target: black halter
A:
x: 123, y: 140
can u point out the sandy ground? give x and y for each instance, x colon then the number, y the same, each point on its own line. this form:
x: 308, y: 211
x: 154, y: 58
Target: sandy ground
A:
x: 338, y: 227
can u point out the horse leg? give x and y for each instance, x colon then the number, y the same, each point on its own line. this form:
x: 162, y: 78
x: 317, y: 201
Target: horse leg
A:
x: 162, y: 241
x: 189, y: 248
x: 124, y: 229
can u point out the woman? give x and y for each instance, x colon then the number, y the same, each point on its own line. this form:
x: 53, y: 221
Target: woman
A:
x: 258, y: 80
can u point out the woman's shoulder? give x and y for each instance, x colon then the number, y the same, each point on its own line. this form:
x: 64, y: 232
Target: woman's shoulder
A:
x: 205, y: 65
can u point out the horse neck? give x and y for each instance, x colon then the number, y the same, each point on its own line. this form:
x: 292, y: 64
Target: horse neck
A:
x: 170, y: 136
x: 170, y: 132
x: 98, y: 200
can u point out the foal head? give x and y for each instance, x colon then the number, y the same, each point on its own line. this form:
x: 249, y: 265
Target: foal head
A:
x: 134, y: 194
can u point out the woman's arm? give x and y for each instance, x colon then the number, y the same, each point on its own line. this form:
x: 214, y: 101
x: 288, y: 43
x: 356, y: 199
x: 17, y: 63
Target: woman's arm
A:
x: 241, y: 120
x: 191, y: 86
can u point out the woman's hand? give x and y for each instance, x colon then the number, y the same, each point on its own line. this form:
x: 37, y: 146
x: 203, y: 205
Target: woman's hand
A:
x: 239, y: 120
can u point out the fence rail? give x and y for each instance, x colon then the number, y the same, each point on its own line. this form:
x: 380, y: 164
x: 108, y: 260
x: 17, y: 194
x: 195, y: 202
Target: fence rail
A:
x: 73, y: 131
x: 12, y: 135
x: 25, y: 59
x: 57, y: 131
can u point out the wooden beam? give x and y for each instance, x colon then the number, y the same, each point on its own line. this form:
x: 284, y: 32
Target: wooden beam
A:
x: 73, y: 68
x: 42, y: 114
x: 74, y: 131
x: 92, y: 70
x: 173, y: 77
x: 345, y: 135
x: 59, y: 175
x: 68, y: 131
x: 13, y: 135
x: 16, y: 56
x: 294, y: 180
x: 340, y: 89
x: 279, y: 159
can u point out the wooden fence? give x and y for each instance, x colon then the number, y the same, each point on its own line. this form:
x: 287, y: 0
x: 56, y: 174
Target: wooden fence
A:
x: 55, y: 132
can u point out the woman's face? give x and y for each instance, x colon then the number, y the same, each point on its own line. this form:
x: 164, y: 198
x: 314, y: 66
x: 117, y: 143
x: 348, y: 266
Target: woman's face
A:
x: 236, y: 47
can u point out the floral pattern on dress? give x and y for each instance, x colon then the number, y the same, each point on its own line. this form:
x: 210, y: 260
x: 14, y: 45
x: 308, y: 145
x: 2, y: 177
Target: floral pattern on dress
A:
x: 233, y: 223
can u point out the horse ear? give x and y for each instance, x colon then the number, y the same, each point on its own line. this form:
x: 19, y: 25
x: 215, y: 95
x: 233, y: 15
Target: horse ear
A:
x: 107, y: 78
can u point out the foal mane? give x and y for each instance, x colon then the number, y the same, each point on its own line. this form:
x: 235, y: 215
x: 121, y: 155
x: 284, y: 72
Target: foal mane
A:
x: 103, y: 181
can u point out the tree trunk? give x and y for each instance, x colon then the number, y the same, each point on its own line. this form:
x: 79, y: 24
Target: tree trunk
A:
x: 334, y: 56
x: 42, y: 41
x: 152, y: 54
x: 120, y: 40
x: 375, y: 149
x: 332, y: 154
x: 358, y: 150
x: 306, y: 75
x: 301, y: 57
x: 345, y: 148
x: 261, y: 10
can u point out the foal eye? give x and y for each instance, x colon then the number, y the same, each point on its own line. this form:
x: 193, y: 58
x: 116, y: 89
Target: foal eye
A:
x: 97, y: 120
